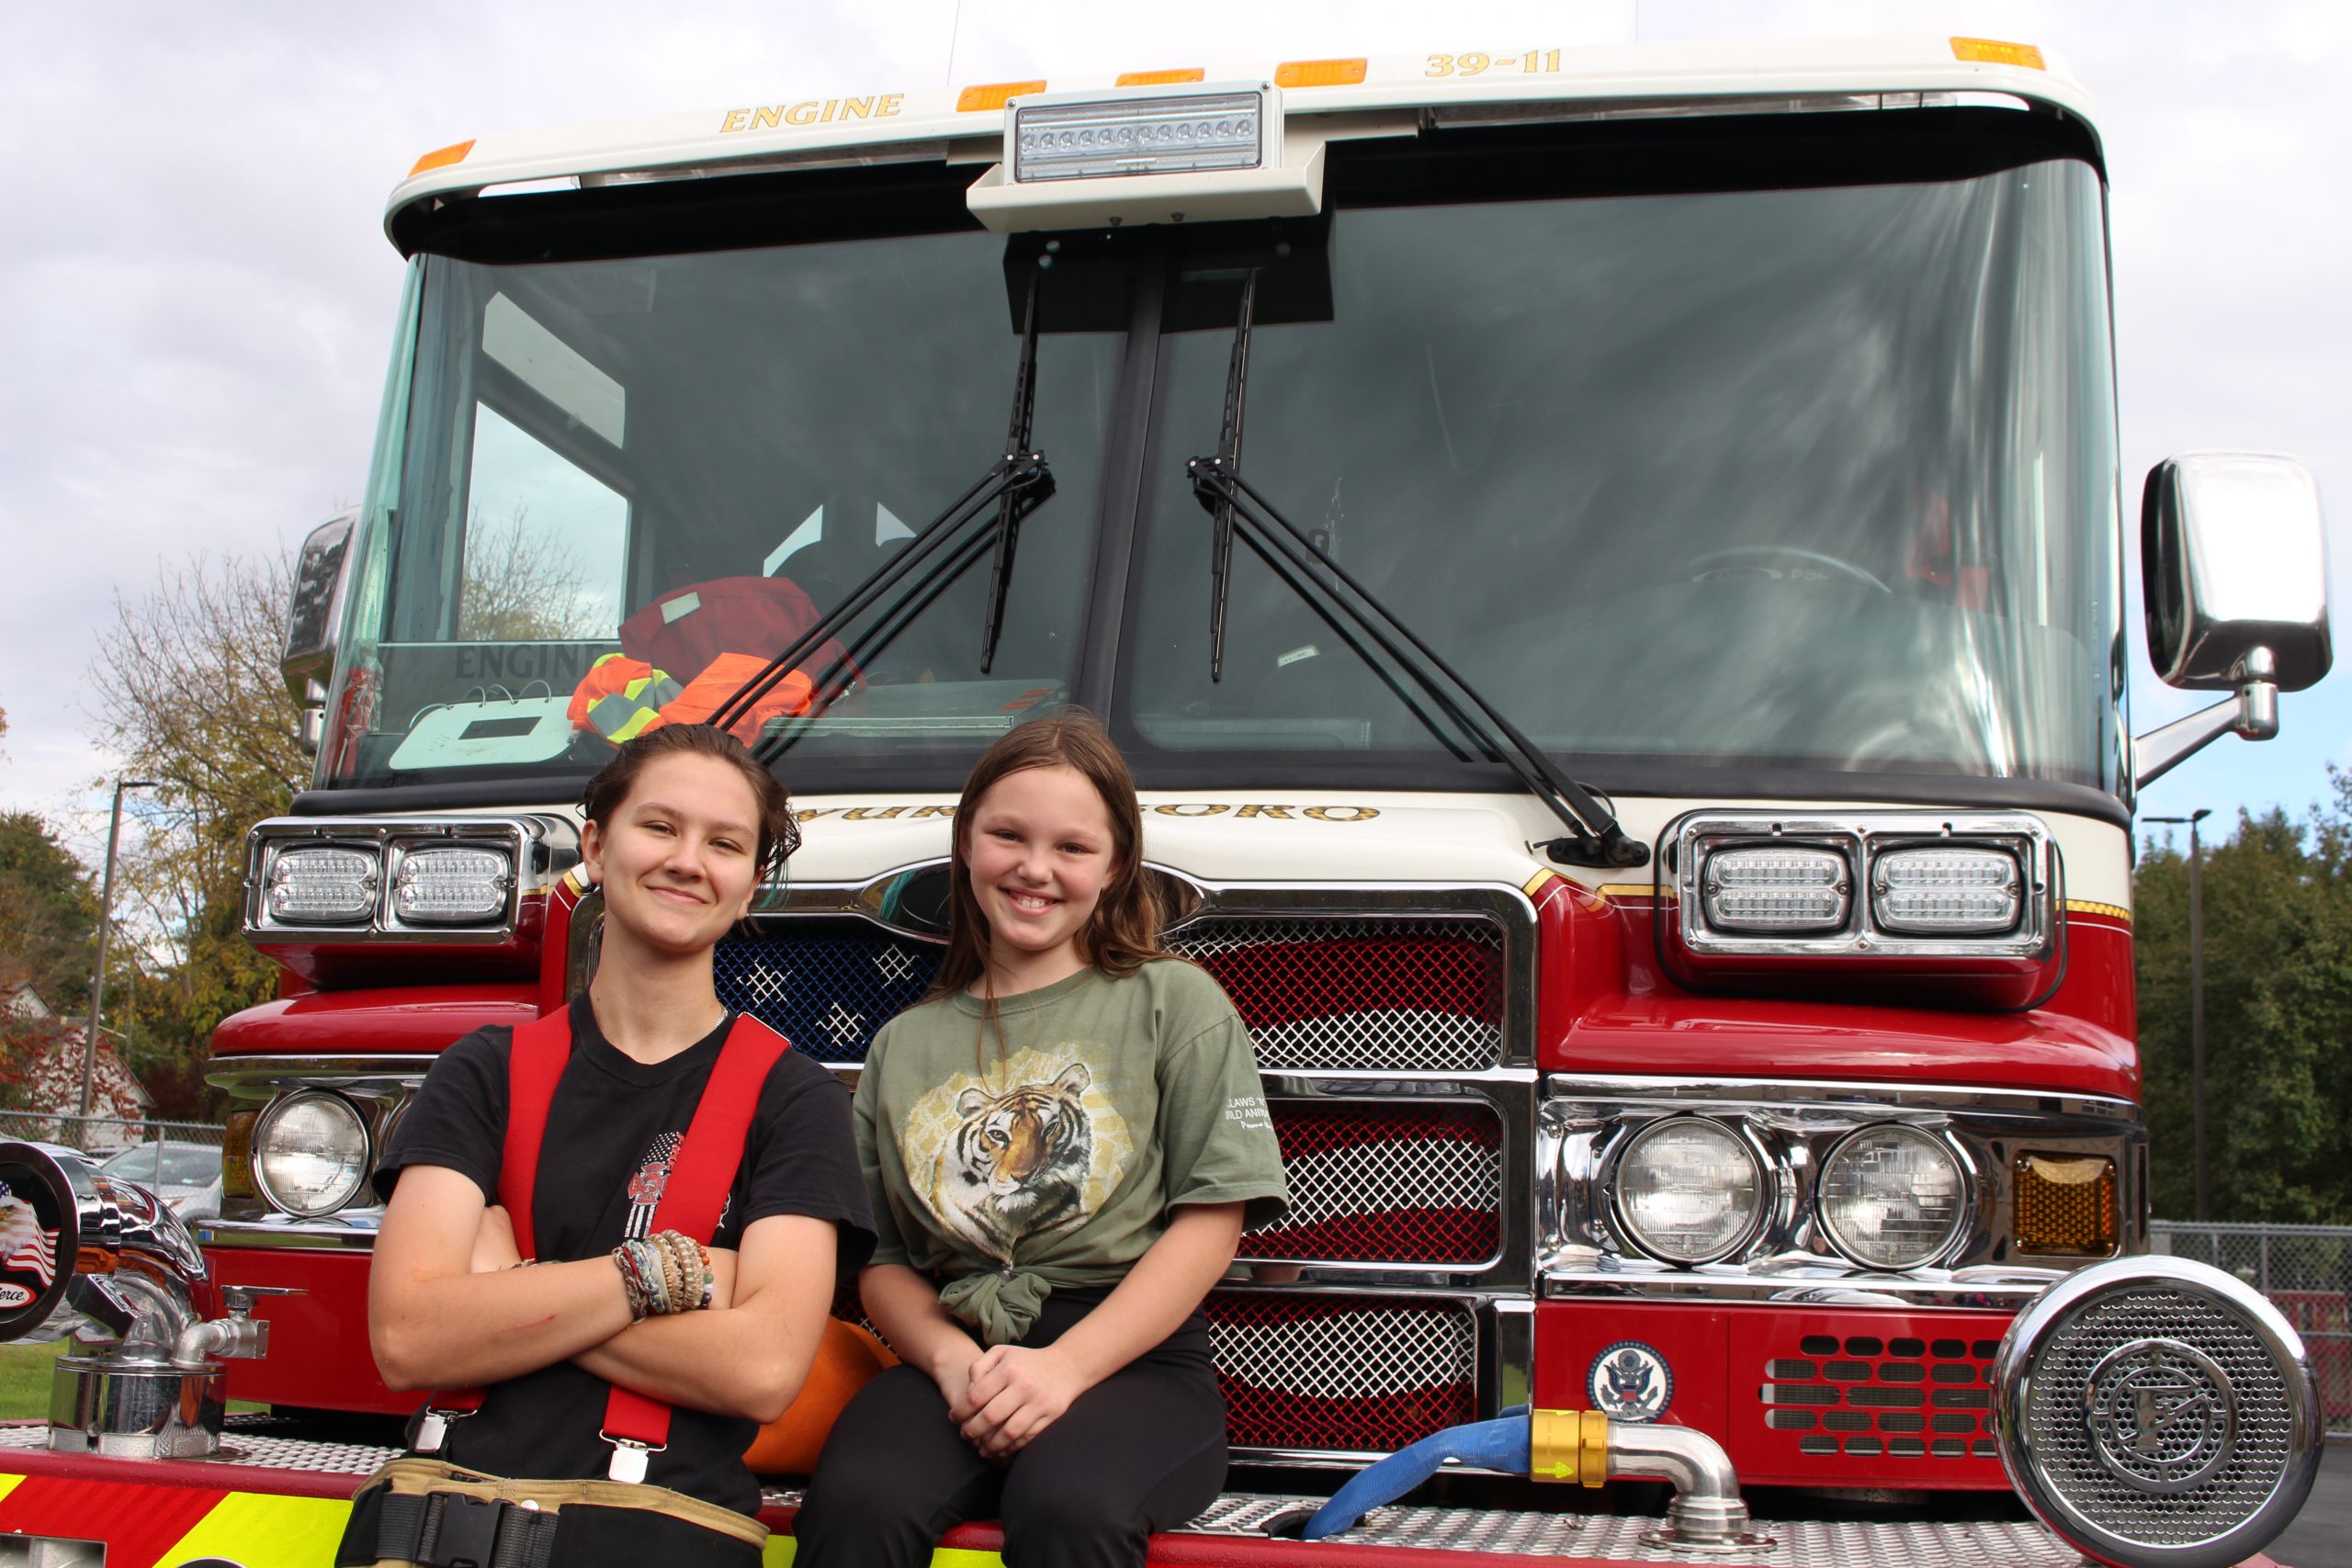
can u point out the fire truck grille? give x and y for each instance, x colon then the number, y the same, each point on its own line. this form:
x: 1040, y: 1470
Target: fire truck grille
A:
x: 1341, y: 1373
x: 1396, y: 1181
x: 1401, y: 995
x: 826, y: 986
x: 1869, y: 1398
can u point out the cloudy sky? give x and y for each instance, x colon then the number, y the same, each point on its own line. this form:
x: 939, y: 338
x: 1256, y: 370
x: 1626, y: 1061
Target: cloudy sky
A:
x: 199, y: 296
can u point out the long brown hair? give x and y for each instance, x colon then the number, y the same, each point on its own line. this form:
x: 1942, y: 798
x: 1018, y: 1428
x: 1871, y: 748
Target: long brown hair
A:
x: 1123, y: 935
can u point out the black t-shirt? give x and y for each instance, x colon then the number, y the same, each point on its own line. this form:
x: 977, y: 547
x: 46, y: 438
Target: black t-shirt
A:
x: 615, y: 1125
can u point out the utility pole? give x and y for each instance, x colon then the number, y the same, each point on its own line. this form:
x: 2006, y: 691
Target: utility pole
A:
x: 106, y: 931
x: 2196, y: 991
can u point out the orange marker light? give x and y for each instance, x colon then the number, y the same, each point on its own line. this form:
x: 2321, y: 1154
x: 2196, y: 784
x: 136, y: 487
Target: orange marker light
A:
x: 972, y: 100
x: 1993, y: 51
x: 2065, y: 1204
x: 1319, y: 72
x: 1159, y: 78
x: 442, y: 158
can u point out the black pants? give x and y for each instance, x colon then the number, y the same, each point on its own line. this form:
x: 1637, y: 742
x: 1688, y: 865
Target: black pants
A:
x: 1142, y: 1451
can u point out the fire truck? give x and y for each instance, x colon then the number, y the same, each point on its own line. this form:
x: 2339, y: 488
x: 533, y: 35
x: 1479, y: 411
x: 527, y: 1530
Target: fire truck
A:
x: 1656, y: 779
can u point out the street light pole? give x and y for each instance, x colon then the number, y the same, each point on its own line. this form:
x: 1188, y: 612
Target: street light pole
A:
x: 2196, y: 992
x: 106, y: 931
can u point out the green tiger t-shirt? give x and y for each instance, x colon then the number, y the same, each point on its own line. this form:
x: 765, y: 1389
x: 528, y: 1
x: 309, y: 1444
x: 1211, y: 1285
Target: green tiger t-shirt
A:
x: 1047, y: 1146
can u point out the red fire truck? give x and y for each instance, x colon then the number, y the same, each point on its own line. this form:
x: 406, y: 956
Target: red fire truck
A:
x: 1656, y: 780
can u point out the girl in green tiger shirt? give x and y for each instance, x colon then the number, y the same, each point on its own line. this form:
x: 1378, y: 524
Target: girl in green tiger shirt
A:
x: 1062, y: 1144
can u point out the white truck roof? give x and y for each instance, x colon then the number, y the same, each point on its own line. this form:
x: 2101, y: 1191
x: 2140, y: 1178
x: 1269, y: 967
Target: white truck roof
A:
x: 966, y: 124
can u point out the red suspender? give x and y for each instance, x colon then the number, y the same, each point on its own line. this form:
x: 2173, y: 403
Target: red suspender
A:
x: 691, y: 1201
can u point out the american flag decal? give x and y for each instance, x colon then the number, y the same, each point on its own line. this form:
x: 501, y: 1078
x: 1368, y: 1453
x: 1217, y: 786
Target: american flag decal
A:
x: 30, y: 1249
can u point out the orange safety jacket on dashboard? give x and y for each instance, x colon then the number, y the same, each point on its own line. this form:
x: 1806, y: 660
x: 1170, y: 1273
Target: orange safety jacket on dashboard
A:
x: 621, y: 698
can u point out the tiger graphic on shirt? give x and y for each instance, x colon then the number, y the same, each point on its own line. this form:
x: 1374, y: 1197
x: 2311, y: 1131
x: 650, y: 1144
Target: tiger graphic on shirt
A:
x: 1020, y: 1164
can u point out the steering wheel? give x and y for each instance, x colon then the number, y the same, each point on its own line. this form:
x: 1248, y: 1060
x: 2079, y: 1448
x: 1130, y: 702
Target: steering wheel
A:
x: 1697, y: 566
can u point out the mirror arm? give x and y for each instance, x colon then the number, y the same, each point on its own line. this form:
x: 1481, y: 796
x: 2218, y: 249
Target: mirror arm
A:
x: 2253, y: 712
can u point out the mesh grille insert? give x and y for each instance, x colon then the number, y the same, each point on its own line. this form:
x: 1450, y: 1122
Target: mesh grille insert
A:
x: 1340, y: 1372
x: 1399, y: 1181
x: 1405, y: 995
x: 1423, y: 994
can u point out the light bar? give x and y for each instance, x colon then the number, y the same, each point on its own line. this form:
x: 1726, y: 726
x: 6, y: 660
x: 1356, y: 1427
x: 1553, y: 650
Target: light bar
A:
x: 1781, y: 889
x: 1947, y: 892
x: 451, y: 887
x: 321, y: 887
x: 1164, y: 133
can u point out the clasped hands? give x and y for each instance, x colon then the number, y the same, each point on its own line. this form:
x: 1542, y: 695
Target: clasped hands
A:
x: 495, y: 1248
x: 1009, y: 1394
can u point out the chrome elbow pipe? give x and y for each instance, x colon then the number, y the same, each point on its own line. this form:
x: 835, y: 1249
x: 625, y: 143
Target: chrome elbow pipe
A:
x: 79, y: 1243
x: 1707, y: 1511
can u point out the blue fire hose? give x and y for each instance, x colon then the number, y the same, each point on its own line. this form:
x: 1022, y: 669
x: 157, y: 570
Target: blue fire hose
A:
x: 1500, y: 1444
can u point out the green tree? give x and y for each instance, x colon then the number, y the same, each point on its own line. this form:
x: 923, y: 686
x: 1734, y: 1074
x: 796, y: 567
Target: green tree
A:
x: 48, y: 913
x: 2277, y: 919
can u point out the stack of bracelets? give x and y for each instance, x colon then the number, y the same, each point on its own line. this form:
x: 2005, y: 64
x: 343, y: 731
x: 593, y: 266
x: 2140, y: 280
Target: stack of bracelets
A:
x: 665, y: 1272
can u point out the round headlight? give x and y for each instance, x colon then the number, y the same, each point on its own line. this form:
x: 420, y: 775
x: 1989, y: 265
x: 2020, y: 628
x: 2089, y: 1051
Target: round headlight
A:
x: 1688, y: 1189
x: 1891, y: 1197
x: 310, y: 1154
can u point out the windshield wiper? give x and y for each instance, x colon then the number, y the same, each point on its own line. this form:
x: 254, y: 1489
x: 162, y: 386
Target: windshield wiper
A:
x: 1593, y: 837
x: 1017, y: 483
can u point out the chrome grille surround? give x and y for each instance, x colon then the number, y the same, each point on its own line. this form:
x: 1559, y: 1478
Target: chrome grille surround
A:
x: 2157, y: 1411
x: 1584, y: 1122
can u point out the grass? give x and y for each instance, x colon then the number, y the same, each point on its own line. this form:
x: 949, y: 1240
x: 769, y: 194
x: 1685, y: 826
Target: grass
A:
x: 24, y: 1380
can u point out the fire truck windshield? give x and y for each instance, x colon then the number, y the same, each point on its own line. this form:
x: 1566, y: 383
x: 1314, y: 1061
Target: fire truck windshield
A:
x: 1804, y: 463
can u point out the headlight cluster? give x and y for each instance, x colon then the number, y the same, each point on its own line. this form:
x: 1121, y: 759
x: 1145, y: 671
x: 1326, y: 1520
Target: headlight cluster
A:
x: 1692, y: 1189
x: 311, y: 1153
x: 449, y: 876
x: 1748, y: 880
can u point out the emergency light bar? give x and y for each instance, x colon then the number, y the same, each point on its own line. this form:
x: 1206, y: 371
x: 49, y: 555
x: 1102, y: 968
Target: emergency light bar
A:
x: 1059, y: 138
x: 1192, y: 152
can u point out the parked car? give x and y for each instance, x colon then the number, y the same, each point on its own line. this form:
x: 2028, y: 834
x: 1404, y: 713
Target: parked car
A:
x: 173, y: 1169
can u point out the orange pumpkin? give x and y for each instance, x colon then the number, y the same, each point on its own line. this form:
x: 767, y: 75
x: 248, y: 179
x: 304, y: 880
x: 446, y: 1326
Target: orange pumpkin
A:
x: 846, y: 1357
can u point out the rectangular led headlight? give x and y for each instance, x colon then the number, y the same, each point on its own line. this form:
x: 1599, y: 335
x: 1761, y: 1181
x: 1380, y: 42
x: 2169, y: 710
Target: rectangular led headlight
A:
x: 1060, y: 138
x: 1777, y: 889
x: 1946, y: 891
x: 452, y: 886
x: 322, y: 886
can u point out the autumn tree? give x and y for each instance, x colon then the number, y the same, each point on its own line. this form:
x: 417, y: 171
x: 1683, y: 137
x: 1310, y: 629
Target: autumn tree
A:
x: 520, y: 584
x: 191, y: 697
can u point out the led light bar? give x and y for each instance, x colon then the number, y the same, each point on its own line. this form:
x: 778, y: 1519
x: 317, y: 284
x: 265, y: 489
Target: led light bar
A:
x: 321, y: 887
x: 1059, y: 139
x: 457, y: 887
x: 1781, y: 889
x: 1947, y: 892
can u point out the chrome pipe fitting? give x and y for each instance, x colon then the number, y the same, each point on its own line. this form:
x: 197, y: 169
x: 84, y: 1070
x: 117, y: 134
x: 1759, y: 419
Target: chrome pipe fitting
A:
x: 1707, y: 1513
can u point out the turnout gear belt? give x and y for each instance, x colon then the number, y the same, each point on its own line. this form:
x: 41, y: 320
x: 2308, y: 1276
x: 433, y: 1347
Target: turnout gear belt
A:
x: 692, y: 1199
x: 433, y: 1515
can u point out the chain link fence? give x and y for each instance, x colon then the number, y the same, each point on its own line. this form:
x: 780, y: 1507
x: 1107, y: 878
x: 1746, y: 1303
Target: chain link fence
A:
x: 2306, y: 1270
x: 178, y: 1161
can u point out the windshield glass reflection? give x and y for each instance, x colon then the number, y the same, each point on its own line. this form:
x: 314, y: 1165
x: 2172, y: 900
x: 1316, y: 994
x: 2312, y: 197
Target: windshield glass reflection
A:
x: 1821, y: 479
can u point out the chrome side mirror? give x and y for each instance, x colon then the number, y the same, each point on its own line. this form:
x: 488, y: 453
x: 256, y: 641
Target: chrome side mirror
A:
x: 2234, y: 554
x: 308, y: 660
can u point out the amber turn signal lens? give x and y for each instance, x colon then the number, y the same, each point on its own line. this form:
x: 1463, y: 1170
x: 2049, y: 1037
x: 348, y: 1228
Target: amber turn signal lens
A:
x: 442, y: 157
x: 1319, y: 72
x: 2065, y: 1204
x: 1993, y: 51
x: 974, y: 100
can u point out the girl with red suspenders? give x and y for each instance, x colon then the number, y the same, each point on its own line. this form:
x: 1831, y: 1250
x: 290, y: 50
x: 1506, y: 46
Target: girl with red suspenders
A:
x: 1061, y: 1144
x: 685, y: 1186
